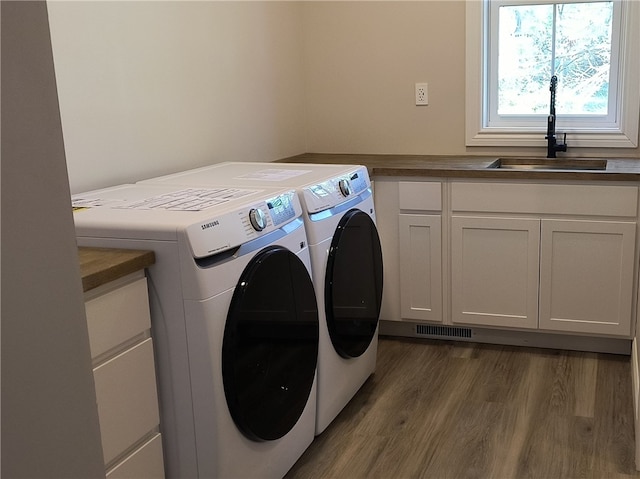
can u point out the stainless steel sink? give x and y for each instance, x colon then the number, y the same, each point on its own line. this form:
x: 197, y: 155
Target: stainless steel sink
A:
x: 570, y: 164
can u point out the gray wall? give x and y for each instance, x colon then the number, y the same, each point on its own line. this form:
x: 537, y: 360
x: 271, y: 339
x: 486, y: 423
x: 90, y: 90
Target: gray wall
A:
x: 49, y: 414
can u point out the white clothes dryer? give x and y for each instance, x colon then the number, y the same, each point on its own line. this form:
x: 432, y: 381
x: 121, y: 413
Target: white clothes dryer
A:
x: 234, y: 316
x: 346, y: 261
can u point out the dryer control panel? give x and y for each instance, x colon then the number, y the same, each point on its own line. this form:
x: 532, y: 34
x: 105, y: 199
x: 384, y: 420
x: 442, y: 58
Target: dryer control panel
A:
x: 231, y: 229
x: 337, y: 190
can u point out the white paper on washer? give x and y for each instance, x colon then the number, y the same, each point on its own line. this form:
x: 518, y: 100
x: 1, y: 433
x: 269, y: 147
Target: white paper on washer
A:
x: 273, y: 174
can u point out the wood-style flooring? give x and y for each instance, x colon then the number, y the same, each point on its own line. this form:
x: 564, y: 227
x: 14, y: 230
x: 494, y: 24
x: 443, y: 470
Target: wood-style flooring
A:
x: 440, y: 409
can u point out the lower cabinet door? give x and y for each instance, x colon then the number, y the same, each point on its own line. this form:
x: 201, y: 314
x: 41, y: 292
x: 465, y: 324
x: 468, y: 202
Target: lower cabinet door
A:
x: 420, y: 267
x: 495, y: 271
x: 586, y: 270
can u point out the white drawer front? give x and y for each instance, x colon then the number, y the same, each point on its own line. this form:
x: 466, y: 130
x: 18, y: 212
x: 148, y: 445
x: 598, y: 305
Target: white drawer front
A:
x: 590, y: 200
x: 117, y: 316
x: 144, y: 463
x: 127, y: 399
x: 420, y: 195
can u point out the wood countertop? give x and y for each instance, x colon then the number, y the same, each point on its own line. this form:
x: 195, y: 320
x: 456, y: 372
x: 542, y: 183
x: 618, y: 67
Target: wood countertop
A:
x: 99, y: 266
x: 618, y: 169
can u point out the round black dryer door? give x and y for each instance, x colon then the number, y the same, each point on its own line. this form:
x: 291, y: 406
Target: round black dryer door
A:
x: 270, y: 345
x: 353, y: 284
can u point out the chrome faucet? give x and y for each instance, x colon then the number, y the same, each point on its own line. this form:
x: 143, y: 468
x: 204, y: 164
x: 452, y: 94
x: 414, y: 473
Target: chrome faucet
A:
x: 552, y: 144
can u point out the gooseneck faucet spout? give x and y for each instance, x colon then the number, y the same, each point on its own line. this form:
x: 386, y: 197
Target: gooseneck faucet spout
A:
x: 552, y: 144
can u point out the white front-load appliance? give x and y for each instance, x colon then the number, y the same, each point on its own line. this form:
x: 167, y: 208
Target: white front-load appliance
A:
x: 346, y: 261
x: 234, y: 316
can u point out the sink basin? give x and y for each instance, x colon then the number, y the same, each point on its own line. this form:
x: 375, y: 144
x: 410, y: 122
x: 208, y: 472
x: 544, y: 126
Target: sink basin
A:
x: 571, y: 164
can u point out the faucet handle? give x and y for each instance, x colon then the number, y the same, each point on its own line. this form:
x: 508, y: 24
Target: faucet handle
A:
x: 563, y: 146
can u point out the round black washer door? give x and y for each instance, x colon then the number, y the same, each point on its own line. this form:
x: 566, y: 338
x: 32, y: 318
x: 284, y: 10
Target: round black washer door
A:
x: 270, y: 345
x: 353, y: 284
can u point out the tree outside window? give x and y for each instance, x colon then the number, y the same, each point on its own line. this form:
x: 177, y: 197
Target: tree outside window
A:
x: 572, y: 41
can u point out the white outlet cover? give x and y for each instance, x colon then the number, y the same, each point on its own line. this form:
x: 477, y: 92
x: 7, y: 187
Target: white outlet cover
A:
x: 422, y: 94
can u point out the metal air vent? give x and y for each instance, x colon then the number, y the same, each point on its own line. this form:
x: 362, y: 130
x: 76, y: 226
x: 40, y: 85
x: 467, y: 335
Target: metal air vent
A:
x: 443, y: 331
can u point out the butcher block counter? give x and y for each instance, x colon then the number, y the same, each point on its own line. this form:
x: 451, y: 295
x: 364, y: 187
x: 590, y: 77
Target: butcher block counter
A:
x: 617, y: 169
x: 99, y: 266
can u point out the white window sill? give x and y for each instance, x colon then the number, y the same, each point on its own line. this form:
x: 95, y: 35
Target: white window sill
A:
x: 502, y: 137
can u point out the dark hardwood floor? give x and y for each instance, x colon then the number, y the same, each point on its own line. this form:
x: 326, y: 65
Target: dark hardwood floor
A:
x: 439, y: 409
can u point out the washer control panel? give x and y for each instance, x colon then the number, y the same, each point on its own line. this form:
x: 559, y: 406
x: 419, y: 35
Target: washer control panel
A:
x: 229, y: 230
x: 337, y: 190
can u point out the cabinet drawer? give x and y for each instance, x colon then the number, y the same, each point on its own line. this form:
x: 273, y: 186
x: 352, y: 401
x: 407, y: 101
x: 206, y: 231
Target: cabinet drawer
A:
x: 127, y: 399
x: 420, y: 195
x: 145, y: 462
x: 590, y: 200
x: 118, y: 315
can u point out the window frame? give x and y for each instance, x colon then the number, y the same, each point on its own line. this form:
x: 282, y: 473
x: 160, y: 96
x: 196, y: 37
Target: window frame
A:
x: 622, y: 132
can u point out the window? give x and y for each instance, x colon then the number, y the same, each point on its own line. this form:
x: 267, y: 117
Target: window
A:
x: 515, y: 46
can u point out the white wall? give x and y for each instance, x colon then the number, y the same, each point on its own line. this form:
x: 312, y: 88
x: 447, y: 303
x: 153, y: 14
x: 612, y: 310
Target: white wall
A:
x: 148, y: 88
x: 362, y: 60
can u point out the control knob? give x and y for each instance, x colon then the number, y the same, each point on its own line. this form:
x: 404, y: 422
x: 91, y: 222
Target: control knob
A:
x: 345, y: 187
x: 257, y: 219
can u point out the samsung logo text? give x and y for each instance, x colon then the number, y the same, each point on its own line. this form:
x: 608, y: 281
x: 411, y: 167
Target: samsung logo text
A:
x: 209, y: 225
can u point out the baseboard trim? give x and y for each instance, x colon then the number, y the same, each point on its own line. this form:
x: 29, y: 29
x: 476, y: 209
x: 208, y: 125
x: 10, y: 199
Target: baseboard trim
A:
x: 474, y: 334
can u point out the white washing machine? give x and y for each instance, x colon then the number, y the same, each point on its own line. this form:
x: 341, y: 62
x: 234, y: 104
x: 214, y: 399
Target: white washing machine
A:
x: 346, y: 261
x: 235, y: 320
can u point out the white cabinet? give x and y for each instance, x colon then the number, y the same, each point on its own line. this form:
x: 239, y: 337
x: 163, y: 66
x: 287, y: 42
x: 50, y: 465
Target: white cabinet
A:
x: 420, y: 250
x: 511, y: 255
x: 494, y: 271
x: 586, y: 273
x: 420, y: 267
x: 124, y: 373
x: 409, y: 221
x: 544, y: 270
x: 144, y: 462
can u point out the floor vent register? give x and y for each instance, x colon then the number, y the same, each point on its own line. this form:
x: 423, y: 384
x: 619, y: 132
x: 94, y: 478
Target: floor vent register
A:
x: 443, y: 331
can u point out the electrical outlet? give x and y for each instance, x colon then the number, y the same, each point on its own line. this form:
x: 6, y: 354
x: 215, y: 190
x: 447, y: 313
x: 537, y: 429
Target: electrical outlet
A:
x: 422, y: 96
